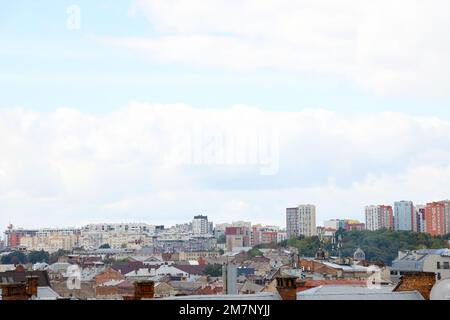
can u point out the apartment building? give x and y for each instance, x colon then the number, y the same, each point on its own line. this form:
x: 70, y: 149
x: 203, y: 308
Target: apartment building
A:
x: 301, y: 221
x: 379, y: 217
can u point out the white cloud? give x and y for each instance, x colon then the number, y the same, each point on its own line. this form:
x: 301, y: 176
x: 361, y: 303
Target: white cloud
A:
x: 70, y: 168
x: 386, y: 47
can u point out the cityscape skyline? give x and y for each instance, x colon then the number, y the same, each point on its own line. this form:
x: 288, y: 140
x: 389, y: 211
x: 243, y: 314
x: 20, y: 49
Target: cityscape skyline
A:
x: 138, y: 109
x: 391, y: 218
x: 202, y: 234
x: 241, y: 151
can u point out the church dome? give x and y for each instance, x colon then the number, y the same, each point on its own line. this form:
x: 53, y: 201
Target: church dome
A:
x: 359, y: 255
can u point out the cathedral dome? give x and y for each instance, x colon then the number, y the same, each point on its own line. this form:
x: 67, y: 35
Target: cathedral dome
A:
x: 359, y: 255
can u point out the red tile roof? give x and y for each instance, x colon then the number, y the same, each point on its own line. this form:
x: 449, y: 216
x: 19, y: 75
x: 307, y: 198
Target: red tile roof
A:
x: 210, y: 290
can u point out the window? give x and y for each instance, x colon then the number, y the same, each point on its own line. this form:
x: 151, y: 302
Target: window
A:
x: 446, y: 265
x: 438, y: 265
x: 439, y: 276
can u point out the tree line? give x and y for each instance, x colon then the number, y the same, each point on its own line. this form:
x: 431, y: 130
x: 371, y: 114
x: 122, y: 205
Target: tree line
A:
x: 378, y: 246
x: 19, y: 257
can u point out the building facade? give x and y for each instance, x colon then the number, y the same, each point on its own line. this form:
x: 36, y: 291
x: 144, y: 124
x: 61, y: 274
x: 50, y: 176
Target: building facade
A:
x: 428, y: 260
x: 50, y: 243
x: 379, y: 217
x: 14, y: 236
x: 404, y: 215
x: 237, y: 237
x: 420, y: 222
x: 264, y: 235
x: 333, y: 223
x: 136, y: 228
x: 437, y: 218
x: 301, y: 221
x: 200, y: 225
x: 354, y: 225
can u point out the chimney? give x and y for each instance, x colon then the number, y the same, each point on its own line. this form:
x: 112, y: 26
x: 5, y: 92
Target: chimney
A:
x: 144, y: 290
x: 32, y: 286
x: 287, y: 287
x: 13, y: 291
x: 229, y: 278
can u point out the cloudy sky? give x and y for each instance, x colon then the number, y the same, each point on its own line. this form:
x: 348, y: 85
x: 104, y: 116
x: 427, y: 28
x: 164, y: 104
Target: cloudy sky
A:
x: 156, y: 110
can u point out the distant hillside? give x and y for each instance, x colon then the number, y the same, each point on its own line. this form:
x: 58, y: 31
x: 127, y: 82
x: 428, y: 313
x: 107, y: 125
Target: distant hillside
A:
x: 381, y: 246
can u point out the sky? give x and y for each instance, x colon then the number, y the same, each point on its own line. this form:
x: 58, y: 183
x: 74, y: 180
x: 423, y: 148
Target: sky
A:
x: 157, y: 110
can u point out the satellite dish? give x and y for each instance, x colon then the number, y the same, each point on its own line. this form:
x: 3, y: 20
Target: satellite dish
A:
x: 441, y: 290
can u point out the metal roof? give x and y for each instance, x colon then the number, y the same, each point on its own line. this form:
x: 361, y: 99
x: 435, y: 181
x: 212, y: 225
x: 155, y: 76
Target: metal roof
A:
x: 257, y: 296
x: 346, y: 268
x: 44, y: 293
x: 332, y: 292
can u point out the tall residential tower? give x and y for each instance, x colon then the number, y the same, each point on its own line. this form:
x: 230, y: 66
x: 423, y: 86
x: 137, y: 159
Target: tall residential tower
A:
x: 404, y: 215
x: 301, y: 221
x: 379, y: 217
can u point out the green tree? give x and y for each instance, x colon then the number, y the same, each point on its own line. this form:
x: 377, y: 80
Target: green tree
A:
x: 105, y: 246
x: 383, y: 245
x: 255, y: 252
x: 379, y: 246
x: 213, y: 270
x: 222, y: 239
x: 108, y: 260
x: 38, y: 256
x: 15, y: 257
x: 54, y: 257
x: 283, y: 244
x: 306, y: 246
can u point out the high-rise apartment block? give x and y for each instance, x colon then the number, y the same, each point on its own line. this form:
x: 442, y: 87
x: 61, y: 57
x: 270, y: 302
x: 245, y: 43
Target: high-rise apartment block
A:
x: 419, y: 218
x: 404, y: 215
x: 301, y: 221
x: 437, y: 218
x: 379, y: 217
x: 200, y: 225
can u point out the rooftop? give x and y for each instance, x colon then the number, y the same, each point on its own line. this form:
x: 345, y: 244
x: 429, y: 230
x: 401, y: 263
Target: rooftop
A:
x: 43, y: 293
x: 257, y: 296
x: 346, y: 268
x: 349, y: 292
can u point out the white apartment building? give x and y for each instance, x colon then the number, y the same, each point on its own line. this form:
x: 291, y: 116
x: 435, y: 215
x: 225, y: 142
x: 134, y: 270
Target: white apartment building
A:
x: 128, y: 241
x: 426, y: 260
x: 379, y: 217
x: 50, y: 243
x: 116, y: 240
x: 135, y: 228
x: 301, y: 221
x: 200, y: 225
x: 51, y: 240
x: 447, y: 216
x: 92, y: 239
